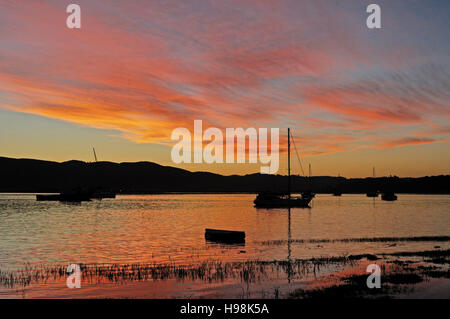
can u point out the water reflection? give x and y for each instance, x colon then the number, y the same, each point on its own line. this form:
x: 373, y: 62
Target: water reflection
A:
x: 170, y: 228
x: 289, y: 272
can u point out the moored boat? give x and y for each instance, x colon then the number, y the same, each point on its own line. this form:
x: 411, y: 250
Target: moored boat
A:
x: 388, y: 196
x: 74, y: 195
x: 308, y: 194
x: 284, y: 200
x: 270, y: 200
x: 372, y: 194
x: 100, y: 195
x: 54, y: 197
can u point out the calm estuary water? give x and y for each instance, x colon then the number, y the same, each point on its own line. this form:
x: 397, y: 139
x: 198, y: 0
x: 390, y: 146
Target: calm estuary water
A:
x: 170, y: 228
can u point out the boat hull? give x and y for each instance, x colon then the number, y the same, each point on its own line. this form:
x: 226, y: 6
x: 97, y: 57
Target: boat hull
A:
x: 48, y: 197
x: 101, y: 195
x: 283, y: 203
x: 63, y: 198
x: 389, y: 197
x: 224, y: 236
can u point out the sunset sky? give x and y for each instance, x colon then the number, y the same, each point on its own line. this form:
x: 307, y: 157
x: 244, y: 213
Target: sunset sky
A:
x: 354, y: 97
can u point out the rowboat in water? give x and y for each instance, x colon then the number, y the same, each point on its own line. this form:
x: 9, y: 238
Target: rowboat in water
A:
x: 225, y: 236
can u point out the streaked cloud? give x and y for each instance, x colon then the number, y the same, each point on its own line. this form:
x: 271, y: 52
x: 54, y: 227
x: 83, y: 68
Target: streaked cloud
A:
x: 407, y: 141
x: 146, y: 68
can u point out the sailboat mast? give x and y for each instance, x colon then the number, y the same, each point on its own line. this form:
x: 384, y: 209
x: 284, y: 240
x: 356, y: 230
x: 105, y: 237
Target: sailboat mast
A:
x: 373, y: 171
x: 289, y: 162
x: 95, y: 155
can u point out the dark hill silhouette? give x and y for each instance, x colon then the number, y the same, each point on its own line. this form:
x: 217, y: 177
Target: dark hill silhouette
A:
x: 28, y: 175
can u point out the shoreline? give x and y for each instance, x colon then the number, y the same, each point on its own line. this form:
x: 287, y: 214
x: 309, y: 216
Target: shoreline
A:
x: 418, y: 274
x: 215, y: 193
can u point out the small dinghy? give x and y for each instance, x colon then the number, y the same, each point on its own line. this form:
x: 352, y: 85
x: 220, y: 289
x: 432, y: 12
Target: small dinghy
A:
x: 224, y: 236
x: 388, y: 196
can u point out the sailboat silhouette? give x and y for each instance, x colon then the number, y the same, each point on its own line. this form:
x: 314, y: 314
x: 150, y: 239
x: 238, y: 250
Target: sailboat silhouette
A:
x: 372, y: 193
x: 283, y: 200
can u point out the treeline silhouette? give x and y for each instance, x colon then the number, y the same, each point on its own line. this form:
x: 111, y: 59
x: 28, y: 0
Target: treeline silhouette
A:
x: 28, y: 175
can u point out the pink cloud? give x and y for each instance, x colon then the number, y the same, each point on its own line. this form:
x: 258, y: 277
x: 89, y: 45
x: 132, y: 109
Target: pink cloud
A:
x: 145, y: 70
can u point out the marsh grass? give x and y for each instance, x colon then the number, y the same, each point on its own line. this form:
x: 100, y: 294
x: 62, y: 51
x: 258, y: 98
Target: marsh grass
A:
x: 355, y: 286
x: 399, y: 276
x: 207, y: 271
x: 392, y: 278
x: 426, y: 253
x: 347, y: 290
x: 360, y: 240
x: 399, y: 273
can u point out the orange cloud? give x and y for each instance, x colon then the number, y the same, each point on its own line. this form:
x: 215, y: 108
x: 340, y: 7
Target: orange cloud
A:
x: 408, y: 141
x: 146, y: 70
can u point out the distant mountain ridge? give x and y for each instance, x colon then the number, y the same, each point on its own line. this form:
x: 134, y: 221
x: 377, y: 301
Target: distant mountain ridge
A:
x: 30, y: 175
